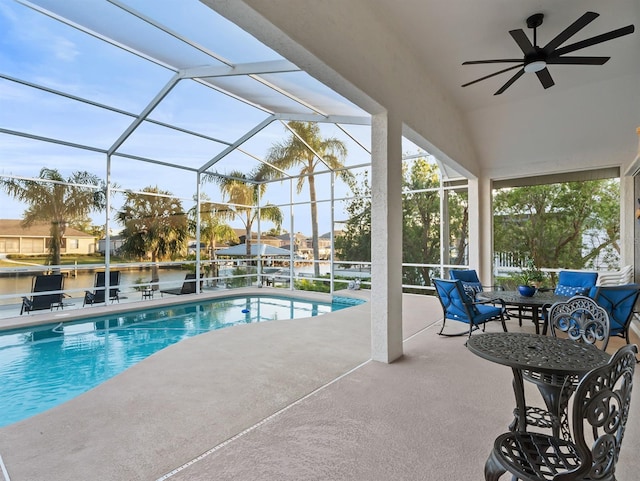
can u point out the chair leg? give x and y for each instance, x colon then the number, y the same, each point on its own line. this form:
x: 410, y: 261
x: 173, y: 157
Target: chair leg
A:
x: 493, y: 469
x: 627, y: 339
x: 26, y: 305
x: 88, y: 298
x: 444, y: 320
x: 504, y: 325
x: 472, y: 327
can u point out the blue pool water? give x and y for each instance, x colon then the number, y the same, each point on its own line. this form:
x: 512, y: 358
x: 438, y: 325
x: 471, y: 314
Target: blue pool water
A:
x: 44, y: 366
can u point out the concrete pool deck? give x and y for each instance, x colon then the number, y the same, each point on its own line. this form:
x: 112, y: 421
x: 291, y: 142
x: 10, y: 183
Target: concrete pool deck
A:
x: 286, y: 400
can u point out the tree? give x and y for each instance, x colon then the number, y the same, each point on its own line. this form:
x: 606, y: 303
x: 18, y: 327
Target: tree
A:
x: 243, y: 194
x: 97, y: 231
x: 307, y: 150
x: 212, y: 227
x: 275, y: 231
x: 420, y: 223
x: 420, y: 220
x: 58, y: 201
x: 565, y: 225
x: 354, y: 244
x: 154, y: 223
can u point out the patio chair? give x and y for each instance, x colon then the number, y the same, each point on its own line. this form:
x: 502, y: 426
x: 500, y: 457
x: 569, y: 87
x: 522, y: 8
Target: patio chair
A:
x: 458, y: 306
x: 98, y: 294
x: 188, y: 286
x: 619, y: 302
x: 44, y: 283
x: 579, y: 319
x: 571, y: 283
x: 470, y: 281
x: 598, y: 420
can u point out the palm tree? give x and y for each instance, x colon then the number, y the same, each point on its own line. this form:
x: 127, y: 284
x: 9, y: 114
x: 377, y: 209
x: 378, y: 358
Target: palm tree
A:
x: 307, y: 149
x: 58, y: 201
x: 212, y: 228
x: 244, y: 195
x: 154, y: 222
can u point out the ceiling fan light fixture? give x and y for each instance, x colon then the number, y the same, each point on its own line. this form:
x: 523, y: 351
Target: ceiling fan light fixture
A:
x: 535, y: 66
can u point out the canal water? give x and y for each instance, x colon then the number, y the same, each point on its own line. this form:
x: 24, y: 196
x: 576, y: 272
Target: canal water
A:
x: 15, y: 282
x: 13, y: 285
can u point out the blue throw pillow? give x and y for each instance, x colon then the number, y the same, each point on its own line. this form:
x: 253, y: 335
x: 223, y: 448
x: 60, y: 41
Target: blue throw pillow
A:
x: 570, y: 291
x: 471, y: 289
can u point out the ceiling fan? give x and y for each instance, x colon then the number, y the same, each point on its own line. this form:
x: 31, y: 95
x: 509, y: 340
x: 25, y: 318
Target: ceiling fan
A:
x: 537, y: 58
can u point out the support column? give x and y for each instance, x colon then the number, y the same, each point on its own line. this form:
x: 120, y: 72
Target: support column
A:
x: 628, y: 220
x: 481, y: 229
x: 386, y: 238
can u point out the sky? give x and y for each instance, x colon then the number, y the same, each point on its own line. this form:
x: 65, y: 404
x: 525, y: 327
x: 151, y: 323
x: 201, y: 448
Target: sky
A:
x: 36, y: 48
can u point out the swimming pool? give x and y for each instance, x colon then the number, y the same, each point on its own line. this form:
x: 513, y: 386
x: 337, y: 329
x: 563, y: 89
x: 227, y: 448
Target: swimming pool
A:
x: 44, y: 366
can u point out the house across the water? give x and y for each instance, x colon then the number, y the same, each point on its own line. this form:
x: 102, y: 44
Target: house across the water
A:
x: 35, y: 239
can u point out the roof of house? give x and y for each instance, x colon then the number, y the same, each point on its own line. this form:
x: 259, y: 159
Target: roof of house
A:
x: 14, y: 228
x: 327, y: 235
x: 256, y: 249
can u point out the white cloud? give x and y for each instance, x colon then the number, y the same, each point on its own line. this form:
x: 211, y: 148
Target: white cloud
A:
x: 64, y: 49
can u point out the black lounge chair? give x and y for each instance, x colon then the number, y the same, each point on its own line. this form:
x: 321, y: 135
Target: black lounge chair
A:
x: 98, y: 295
x: 188, y: 286
x: 44, y: 283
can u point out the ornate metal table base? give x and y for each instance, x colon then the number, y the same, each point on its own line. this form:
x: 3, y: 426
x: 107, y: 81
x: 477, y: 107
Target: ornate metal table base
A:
x: 552, y: 363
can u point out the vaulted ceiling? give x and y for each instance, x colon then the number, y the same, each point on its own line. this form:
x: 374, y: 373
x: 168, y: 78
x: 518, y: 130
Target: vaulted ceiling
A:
x: 587, y: 120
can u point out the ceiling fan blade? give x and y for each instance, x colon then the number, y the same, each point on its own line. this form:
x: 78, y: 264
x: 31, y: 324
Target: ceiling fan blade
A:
x: 570, y: 31
x: 594, y: 40
x: 493, y: 74
x: 522, y: 40
x: 545, y: 78
x: 501, y: 60
x: 578, y: 60
x: 509, y: 82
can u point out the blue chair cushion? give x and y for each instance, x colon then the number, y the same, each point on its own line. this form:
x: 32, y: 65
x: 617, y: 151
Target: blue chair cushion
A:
x: 470, y: 281
x: 466, y: 275
x: 456, y: 309
x: 619, y: 303
x: 486, y: 312
x: 571, y: 283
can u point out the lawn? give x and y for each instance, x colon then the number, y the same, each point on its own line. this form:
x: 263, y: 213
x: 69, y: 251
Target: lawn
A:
x: 67, y: 260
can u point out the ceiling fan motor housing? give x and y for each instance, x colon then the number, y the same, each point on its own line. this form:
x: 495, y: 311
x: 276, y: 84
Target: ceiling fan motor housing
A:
x: 535, y: 61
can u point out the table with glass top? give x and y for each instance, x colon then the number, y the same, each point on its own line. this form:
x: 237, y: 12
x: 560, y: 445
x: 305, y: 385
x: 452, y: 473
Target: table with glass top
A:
x: 547, y: 361
x: 536, y: 303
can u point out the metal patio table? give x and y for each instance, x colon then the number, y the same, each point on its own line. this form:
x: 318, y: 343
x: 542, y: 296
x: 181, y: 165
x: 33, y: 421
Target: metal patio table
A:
x: 536, y: 303
x: 551, y: 361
